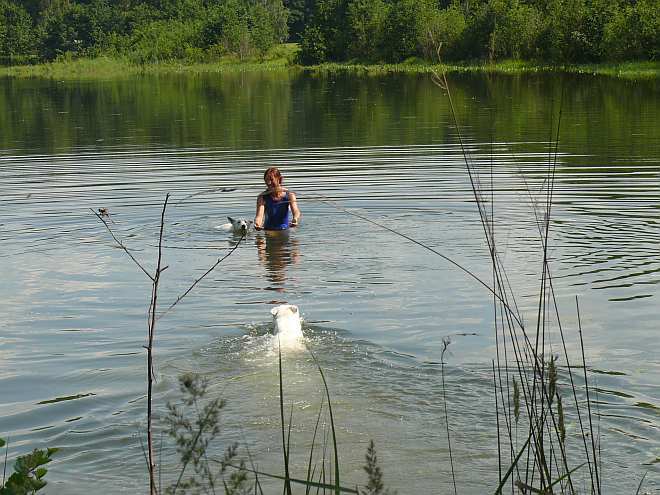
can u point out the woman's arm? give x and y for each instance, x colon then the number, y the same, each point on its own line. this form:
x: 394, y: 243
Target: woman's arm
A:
x: 260, y: 213
x: 293, y: 203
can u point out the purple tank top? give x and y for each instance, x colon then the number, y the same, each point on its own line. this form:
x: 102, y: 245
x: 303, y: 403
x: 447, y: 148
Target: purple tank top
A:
x: 277, y: 213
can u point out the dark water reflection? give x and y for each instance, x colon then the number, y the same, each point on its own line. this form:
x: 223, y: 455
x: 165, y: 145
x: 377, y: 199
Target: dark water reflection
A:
x: 376, y: 307
x: 277, y: 250
x: 603, y: 118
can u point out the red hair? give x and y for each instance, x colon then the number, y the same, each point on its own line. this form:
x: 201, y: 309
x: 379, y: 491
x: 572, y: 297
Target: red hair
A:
x: 274, y: 173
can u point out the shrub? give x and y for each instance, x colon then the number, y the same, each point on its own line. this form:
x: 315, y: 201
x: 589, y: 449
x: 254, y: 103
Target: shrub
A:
x: 29, y: 472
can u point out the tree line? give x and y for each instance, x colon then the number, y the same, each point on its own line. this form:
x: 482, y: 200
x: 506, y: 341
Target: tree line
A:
x: 145, y: 31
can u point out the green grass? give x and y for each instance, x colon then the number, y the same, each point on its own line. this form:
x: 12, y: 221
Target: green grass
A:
x: 113, y: 68
x: 283, y: 57
x: 625, y: 70
x: 278, y: 58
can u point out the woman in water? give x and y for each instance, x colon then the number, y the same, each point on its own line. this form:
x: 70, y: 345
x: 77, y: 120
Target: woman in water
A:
x: 276, y: 205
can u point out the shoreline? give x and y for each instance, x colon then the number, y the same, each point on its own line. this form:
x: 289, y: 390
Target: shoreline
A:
x: 108, y: 68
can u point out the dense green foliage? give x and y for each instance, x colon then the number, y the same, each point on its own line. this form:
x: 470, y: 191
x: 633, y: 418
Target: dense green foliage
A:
x: 142, y: 31
x: 557, y: 31
x: 146, y: 31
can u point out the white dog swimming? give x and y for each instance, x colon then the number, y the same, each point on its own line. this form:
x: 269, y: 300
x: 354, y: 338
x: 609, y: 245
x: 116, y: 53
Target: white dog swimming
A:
x: 237, y: 226
x: 287, y: 326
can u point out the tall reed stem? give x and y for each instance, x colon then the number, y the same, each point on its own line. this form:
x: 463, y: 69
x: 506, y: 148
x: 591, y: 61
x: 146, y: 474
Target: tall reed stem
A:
x: 445, y: 344
x: 150, y: 352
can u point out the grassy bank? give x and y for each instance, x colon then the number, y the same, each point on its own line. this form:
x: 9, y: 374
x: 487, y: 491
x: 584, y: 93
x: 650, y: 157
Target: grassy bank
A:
x: 284, y: 57
x: 624, y: 70
x: 112, y: 68
x: 278, y: 58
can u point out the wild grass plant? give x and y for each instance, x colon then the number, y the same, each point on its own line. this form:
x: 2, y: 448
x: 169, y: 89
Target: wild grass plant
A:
x: 194, y: 425
x: 544, y: 463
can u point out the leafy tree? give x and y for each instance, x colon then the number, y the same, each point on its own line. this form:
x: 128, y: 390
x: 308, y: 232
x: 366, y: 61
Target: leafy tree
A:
x: 633, y: 32
x: 597, y: 15
x: 563, y: 37
x: 65, y: 29
x: 476, y: 38
x: 446, y: 30
x: 227, y: 27
x: 407, y: 26
x: 170, y: 39
x: 33, y: 7
x: 330, y: 31
x: 78, y: 28
x: 268, y: 25
x: 300, y: 15
x: 182, y: 9
x: 140, y: 14
x: 515, y: 29
x: 17, y: 36
x: 366, y: 19
x: 313, y: 48
x: 555, y: 31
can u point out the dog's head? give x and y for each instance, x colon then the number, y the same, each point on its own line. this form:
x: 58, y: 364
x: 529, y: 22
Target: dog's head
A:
x: 284, y: 310
x: 240, y: 225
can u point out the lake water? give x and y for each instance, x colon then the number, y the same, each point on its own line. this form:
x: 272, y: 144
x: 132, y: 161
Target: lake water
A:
x: 74, y: 307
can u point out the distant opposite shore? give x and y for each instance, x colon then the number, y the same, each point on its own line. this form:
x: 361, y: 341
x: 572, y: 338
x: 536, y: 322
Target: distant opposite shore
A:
x: 97, y: 39
x: 284, y: 57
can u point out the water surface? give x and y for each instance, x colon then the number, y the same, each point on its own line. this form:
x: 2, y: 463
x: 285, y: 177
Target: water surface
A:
x: 74, y: 307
